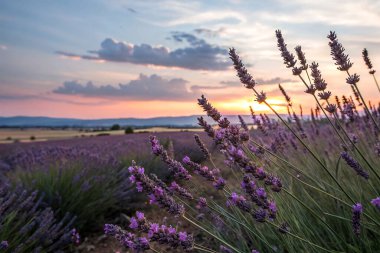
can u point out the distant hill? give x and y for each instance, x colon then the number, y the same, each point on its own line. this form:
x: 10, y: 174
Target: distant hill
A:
x: 180, y: 121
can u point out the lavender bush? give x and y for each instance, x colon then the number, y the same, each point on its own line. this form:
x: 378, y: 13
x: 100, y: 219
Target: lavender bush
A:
x: 295, y: 184
x: 29, y: 225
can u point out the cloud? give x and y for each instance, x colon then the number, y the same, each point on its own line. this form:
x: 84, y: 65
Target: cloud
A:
x: 210, y: 32
x: 3, y: 47
x: 229, y: 84
x: 275, y: 80
x: 152, y: 87
x: 21, y: 97
x: 232, y: 17
x: 131, y: 10
x: 200, y: 55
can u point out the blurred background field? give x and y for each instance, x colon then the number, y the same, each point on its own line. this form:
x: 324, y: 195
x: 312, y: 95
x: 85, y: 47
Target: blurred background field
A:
x: 9, y: 135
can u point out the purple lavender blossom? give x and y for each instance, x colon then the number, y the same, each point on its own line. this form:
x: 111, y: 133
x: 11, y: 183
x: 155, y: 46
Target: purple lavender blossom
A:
x: 207, y: 127
x: 202, y: 146
x: 211, y: 111
x: 272, y: 210
x: 260, y: 214
x: 353, y: 79
x: 133, y: 223
x: 331, y: 108
x: 169, y: 235
x: 128, y: 240
x: 260, y: 173
x: 354, y: 165
x: 202, y: 203
x: 156, y: 193
x: 242, y: 72
x: 286, y: 96
x: 376, y: 202
x: 368, y: 61
x: 357, y: 210
x: 75, y: 237
x: 174, y: 187
x: 174, y: 166
x: 289, y: 59
x: 255, y: 251
x: 261, y: 97
x: 239, y: 201
x: 219, y: 183
x: 325, y: 95
x: 319, y: 83
x: 301, y: 57
x: 337, y: 52
x: 4, y: 245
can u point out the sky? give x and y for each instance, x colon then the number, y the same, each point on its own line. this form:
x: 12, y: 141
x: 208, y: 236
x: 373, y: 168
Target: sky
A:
x: 115, y: 58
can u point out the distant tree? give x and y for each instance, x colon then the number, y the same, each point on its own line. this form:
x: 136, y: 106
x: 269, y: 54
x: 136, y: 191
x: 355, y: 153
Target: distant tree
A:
x: 115, y: 127
x: 32, y: 138
x: 128, y: 130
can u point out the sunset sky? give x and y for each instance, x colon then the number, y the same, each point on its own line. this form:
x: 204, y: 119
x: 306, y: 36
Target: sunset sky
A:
x: 116, y: 58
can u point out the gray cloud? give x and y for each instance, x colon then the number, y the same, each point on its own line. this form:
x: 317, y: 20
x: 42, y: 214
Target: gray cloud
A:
x: 275, y: 80
x: 200, y: 55
x: 209, y: 32
x: 152, y: 87
x: 48, y: 98
x: 227, y: 84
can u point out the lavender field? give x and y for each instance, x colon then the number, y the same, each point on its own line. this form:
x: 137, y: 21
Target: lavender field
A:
x: 296, y: 184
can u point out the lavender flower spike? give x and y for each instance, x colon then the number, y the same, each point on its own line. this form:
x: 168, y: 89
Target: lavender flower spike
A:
x: 337, y: 52
x: 376, y: 202
x: 242, y: 72
x: 289, y: 60
x: 357, y: 210
x: 355, y: 165
x: 319, y: 83
x: 368, y: 61
x: 301, y: 57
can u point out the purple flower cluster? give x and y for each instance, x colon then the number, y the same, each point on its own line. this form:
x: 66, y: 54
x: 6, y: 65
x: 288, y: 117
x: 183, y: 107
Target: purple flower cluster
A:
x: 206, y: 127
x: 376, y: 202
x: 301, y: 57
x: 169, y: 235
x: 174, y: 187
x: 160, y: 233
x: 202, y: 146
x: 212, y: 112
x: 357, y: 210
x: 127, y: 239
x: 157, y: 195
x: 75, y: 237
x: 239, y: 201
x: 174, y: 166
x: 258, y: 196
x: 202, y: 203
x: 319, y: 83
x: 354, y: 165
x: 289, y: 59
x: 210, y: 175
x: 242, y: 72
x: 337, y: 52
x: 368, y: 61
x: 4, y: 245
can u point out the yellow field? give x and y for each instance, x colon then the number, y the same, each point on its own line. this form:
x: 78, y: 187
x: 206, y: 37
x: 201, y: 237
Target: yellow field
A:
x: 43, y: 134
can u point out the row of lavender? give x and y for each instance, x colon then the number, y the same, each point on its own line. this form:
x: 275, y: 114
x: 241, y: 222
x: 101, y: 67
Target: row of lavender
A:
x: 52, y: 191
x: 292, y: 185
